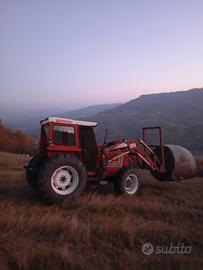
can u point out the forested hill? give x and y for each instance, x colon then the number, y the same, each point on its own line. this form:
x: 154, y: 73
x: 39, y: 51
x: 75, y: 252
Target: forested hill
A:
x: 15, y: 141
x: 179, y: 113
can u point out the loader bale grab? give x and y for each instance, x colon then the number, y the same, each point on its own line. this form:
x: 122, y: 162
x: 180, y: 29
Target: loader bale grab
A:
x: 69, y: 155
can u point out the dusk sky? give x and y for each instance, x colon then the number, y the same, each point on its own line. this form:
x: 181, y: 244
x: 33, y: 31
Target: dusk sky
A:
x: 77, y: 53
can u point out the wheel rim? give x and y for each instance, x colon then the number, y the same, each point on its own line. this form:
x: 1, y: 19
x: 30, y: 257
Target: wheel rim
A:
x: 65, y: 180
x: 131, y: 184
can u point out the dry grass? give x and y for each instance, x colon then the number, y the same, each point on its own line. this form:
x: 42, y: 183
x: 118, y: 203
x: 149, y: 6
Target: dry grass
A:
x: 98, y: 230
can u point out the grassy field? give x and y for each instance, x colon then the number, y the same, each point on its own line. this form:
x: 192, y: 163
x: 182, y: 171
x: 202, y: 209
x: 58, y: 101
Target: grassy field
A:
x: 98, y: 230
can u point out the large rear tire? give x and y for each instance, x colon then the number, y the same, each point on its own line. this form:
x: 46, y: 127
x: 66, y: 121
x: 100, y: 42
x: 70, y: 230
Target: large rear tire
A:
x: 128, y: 182
x: 32, y: 170
x: 62, y: 177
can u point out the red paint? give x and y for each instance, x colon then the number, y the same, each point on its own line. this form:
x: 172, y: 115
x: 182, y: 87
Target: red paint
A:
x: 111, y: 157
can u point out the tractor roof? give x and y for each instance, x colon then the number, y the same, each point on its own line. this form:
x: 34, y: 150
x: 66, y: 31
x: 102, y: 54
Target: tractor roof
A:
x: 68, y: 121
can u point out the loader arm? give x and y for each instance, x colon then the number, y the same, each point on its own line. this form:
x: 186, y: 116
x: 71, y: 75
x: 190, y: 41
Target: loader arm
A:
x: 162, y: 167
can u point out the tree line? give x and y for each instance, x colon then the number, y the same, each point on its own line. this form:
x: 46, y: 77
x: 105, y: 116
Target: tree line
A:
x: 15, y: 141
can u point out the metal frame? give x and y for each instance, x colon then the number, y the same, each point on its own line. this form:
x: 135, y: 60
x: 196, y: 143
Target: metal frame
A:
x: 145, y: 129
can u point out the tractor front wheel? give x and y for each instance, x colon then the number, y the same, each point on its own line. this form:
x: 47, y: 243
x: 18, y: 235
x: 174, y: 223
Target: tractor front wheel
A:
x: 128, y: 182
x: 62, y: 177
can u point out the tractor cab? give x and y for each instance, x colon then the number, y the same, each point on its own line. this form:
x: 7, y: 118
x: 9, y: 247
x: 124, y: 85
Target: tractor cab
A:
x: 60, y: 135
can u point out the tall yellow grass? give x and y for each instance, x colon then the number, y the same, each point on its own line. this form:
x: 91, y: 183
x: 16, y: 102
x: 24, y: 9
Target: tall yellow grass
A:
x: 98, y: 230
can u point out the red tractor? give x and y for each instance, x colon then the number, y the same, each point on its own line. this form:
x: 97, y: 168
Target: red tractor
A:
x: 69, y: 154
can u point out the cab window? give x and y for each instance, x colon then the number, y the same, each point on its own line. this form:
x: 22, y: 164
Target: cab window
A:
x: 64, y: 135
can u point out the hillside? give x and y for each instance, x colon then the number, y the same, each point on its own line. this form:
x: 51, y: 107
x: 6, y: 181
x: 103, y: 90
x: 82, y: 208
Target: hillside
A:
x: 98, y: 230
x: 15, y: 141
x: 179, y: 113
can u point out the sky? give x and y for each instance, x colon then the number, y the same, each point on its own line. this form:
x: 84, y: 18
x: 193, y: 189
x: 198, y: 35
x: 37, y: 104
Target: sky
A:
x: 72, y: 53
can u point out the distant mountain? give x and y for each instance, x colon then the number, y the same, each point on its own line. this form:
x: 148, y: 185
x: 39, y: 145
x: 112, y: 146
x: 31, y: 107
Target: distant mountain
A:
x: 88, y: 111
x: 29, y: 121
x: 179, y: 113
x: 32, y: 127
x: 25, y: 118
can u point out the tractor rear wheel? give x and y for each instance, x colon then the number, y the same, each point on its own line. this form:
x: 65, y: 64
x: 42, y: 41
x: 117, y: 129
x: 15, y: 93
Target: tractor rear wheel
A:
x: 32, y: 170
x: 62, y: 177
x: 128, y: 182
